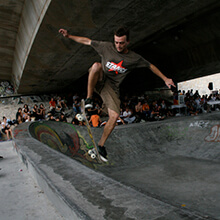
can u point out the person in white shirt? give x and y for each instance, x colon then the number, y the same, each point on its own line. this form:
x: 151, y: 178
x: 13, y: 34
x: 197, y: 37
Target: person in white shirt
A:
x: 127, y: 116
x: 6, y: 128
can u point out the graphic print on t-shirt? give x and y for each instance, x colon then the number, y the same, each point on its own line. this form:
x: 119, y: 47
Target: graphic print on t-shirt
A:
x: 116, y: 67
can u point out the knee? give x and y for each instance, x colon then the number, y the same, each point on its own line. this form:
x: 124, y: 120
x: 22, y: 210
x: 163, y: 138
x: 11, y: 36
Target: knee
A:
x: 114, y: 116
x: 96, y: 67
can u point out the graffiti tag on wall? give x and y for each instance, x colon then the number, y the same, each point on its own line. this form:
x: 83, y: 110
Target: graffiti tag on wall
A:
x: 200, y: 124
x: 214, y: 135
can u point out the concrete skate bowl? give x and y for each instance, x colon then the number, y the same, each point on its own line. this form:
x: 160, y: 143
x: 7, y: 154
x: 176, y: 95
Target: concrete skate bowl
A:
x: 66, y: 139
x: 174, y: 161
x: 177, y: 162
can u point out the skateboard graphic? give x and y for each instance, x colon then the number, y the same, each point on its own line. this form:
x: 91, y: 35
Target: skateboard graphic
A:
x: 93, y: 153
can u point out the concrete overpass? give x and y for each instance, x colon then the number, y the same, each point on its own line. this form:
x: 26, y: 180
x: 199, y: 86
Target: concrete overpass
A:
x: 181, y: 37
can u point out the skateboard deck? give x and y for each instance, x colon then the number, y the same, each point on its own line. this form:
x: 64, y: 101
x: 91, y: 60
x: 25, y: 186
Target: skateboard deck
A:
x: 93, y: 152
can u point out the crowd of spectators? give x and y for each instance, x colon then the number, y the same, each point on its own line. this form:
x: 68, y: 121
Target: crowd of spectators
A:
x: 35, y: 113
x: 196, y: 104
x: 135, y: 109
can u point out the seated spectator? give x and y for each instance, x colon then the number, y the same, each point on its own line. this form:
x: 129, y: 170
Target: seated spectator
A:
x: 19, y: 120
x: 62, y: 118
x: 76, y: 106
x: 98, y: 108
x: 28, y: 118
x: 128, y: 116
x: 35, y: 112
x: 6, y: 128
x: 26, y: 107
x: 145, y: 110
x: 59, y: 105
x: 25, y: 114
x: 64, y: 103
x: 57, y: 118
x: 139, y: 112
x: 51, y: 118
x: 52, y: 105
x: 95, y: 120
x: 154, y: 115
x: 94, y: 111
x: 75, y: 121
x: 120, y: 121
x: 164, y: 109
x: 19, y: 116
x: 191, y: 108
x: 41, y: 112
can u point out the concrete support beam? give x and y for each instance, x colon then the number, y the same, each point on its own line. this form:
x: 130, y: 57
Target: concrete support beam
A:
x: 32, y: 16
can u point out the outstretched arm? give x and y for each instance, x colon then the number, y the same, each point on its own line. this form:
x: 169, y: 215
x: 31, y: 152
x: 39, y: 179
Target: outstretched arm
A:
x: 168, y: 82
x: 81, y: 40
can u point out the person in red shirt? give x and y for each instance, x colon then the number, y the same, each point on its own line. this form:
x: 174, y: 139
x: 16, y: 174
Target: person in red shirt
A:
x: 52, y: 104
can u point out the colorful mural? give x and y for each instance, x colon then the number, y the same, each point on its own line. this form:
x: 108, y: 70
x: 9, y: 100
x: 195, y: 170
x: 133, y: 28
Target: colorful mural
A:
x: 68, y: 141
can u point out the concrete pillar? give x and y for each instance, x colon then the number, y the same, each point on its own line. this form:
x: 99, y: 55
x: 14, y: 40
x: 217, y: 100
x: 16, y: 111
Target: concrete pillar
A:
x: 32, y: 15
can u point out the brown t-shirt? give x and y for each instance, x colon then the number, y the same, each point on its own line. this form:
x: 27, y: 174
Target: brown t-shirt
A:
x: 117, y: 65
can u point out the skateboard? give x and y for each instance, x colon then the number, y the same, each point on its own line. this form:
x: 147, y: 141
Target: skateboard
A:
x: 93, y: 153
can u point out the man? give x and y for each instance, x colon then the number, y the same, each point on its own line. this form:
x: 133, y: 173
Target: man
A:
x: 105, y: 77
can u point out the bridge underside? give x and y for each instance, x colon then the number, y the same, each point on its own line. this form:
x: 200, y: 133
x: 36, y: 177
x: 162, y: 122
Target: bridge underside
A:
x: 181, y: 38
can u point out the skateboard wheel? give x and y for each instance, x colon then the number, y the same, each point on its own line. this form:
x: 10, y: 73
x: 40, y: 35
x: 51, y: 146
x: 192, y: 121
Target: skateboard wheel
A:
x: 93, y: 156
x: 90, y: 152
x: 79, y: 117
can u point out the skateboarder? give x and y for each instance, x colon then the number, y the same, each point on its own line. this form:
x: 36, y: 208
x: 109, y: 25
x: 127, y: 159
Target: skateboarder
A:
x: 105, y: 77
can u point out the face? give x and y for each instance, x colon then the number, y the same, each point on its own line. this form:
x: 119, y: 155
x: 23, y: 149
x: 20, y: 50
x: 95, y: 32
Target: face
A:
x: 121, y: 44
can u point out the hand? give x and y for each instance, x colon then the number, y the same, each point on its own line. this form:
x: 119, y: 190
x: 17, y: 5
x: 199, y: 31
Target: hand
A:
x: 169, y: 83
x: 64, y: 32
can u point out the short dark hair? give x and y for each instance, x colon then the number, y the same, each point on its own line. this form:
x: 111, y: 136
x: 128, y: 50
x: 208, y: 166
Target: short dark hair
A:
x: 121, y: 31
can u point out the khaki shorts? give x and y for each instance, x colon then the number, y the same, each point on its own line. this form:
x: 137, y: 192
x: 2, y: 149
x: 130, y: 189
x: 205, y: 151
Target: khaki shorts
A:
x: 109, y: 97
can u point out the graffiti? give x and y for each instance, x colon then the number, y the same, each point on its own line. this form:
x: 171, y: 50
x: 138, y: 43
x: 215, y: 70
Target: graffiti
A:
x: 72, y: 144
x: 214, y: 135
x: 200, y: 124
x: 6, y: 88
x: 17, y: 131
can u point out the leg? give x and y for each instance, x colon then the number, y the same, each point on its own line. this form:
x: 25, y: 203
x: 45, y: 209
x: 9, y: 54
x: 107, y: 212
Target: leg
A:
x: 10, y: 131
x: 7, y: 133
x: 95, y: 75
x: 109, y: 126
